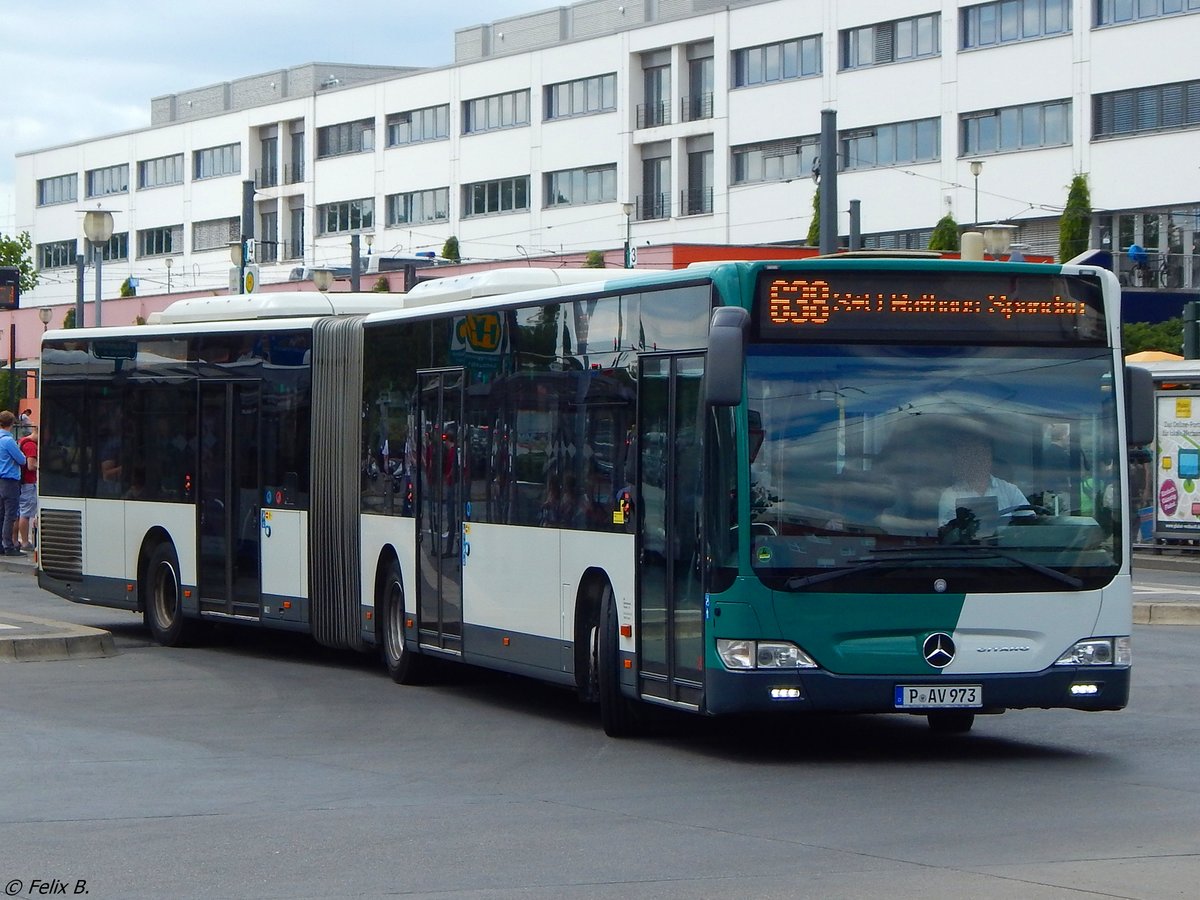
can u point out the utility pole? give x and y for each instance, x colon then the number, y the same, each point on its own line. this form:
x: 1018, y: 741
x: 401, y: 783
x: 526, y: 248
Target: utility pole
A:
x: 829, y: 170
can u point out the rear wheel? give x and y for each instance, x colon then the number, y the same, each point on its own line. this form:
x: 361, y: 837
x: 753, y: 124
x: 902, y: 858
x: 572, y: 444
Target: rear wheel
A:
x: 618, y: 714
x: 403, y: 665
x: 955, y: 722
x: 162, y: 603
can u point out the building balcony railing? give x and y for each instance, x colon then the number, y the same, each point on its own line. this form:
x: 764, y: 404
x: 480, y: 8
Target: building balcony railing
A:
x: 696, y: 201
x: 653, y: 206
x: 267, y: 251
x: 293, y: 173
x: 650, y: 115
x: 265, y: 177
x: 698, y: 107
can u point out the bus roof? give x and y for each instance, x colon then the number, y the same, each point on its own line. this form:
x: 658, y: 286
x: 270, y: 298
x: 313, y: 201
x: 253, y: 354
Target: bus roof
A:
x: 493, y: 282
x: 274, y: 305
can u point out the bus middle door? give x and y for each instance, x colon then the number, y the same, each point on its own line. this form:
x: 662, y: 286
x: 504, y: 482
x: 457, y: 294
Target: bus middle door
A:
x: 228, y: 508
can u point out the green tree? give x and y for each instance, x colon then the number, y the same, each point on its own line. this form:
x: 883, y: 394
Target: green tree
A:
x: 382, y: 285
x: 127, y: 288
x: 18, y: 251
x: 945, y: 234
x: 1166, y: 336
x: 69, y: 317
x: 1075, y: 226
x: 595, y: 260
x: 450, y: 249
x: 814, y: 227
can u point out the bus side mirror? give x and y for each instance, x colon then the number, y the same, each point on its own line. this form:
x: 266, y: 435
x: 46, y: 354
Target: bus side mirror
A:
x: 724, y: 369
x: 1139, y: 406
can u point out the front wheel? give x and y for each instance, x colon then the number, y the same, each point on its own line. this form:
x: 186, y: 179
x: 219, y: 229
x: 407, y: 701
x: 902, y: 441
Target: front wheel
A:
x: 403, y: 665
x: 618, y: 714
x: 162, y: 603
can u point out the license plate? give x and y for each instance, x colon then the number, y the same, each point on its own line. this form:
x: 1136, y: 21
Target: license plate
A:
x: 938, y: 696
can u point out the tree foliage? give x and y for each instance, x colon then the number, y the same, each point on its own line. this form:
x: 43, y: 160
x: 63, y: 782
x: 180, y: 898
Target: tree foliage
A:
x: 450, y: 249
x: 595, y: 260
x: 382, y: 285
x: 814, y: 227
x: 1166, y: 336
x: 127, y: 288
x: 69, y: 317
x: 18, y: 251
x: 1075, y: 226
x: 945, y: 234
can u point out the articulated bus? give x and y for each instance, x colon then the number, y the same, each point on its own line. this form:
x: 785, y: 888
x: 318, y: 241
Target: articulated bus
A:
x: 866, y: 485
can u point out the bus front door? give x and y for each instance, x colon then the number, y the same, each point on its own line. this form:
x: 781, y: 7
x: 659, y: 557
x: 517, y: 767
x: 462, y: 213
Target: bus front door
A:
x: 669, y: 591
x: 440, y: 511
x: 227, y: 482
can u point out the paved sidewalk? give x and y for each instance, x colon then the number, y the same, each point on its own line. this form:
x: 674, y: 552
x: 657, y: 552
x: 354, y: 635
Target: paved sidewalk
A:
x: 25, y: 638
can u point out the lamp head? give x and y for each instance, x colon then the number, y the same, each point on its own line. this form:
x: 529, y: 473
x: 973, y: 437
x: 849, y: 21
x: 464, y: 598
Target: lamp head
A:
x: 323, y: 279
x: 98, y: 225
x: 976, y: 167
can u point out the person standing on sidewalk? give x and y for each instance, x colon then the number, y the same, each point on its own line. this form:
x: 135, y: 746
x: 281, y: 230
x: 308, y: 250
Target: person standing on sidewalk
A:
x: 12, y: 463
x: 23, y: 531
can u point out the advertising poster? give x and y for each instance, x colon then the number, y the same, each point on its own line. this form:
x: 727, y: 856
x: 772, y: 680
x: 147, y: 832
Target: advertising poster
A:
x: 1177, y: 481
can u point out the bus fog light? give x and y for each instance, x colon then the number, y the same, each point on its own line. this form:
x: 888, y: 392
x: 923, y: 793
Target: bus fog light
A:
x: 782, y: 655
x: 1092, y: 652
x: 785, y: 693
x: 1084, y: 690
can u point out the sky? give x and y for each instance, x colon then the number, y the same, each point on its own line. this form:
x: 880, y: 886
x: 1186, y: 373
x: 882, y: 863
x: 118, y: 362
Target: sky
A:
x: 74, y: 70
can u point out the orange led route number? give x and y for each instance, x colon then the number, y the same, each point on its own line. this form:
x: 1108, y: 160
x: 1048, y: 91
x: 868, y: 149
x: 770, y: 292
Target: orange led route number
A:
x: 811, y: 301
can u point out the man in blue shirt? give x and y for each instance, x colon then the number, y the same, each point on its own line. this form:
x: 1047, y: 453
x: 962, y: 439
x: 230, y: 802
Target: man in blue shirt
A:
x: 11, y: 462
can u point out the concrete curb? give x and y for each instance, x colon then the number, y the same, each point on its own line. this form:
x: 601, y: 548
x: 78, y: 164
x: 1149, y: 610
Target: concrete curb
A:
x: 27, y: 639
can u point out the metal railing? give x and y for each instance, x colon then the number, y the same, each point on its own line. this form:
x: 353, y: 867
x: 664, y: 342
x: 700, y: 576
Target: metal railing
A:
x: 698, y: 107
x: 696, y: 201
x: 651, y: 115
x: 293, y: 173
x: 266, y: 177
x: 653, y: 206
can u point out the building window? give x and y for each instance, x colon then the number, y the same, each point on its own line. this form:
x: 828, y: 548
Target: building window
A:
x: 888, y: 42
x: 576, y: 187
x: 56, y: 254
x: 160, y: 241
x: 655, y: 200
x: 349, y: 215
x: 418, y: 206
x: 898, y: 240
x: 116, y: 248
x: 110, y: 180
x: 60, y: 189
x: 698, y: 198
x: 496, y: 111
x: 1016, y: 128
x: 213, y: 162
x: 887, y: 145
x: 1013, y: 20
x: 418, y: 125
x: 656, y: 90
x: 775, y: 160
x: 487, y: 197
x: 797, y: 58
x: 346, y: 137
x: 160, y: 172
x: 215, y: 234
x: 1115, y: 12
x: 581, y: 97
x: 1157, y: 108
x: 268, y: 153
x: 268, y: 244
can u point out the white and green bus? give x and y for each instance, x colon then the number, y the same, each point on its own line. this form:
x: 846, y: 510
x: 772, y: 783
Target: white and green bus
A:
x: 838, y: 484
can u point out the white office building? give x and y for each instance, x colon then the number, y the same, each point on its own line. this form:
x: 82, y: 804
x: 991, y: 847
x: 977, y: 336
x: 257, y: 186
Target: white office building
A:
x: 578, y: 127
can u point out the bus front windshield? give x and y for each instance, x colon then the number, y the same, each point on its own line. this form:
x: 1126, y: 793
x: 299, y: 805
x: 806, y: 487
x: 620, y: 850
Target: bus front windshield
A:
x: 895, y: 469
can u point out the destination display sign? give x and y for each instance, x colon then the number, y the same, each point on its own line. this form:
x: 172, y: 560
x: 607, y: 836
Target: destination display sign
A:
x: 932, y: 304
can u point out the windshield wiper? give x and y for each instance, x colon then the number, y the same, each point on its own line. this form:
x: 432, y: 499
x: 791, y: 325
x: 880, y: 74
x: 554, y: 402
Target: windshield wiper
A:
x: 912, y: 554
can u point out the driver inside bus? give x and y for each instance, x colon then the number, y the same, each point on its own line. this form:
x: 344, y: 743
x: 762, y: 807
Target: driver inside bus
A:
x: 971, y: 462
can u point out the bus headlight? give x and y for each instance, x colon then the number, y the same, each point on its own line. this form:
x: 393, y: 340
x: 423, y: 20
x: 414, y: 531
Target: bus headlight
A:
x: 1098, y: 652
x: 739, y: 654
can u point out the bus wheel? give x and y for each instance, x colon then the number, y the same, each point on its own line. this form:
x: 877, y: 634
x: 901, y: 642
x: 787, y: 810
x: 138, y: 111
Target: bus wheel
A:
x: 162, y: 605
x: 618, y: 714
x: 403, y: 665
x: 951, y: 722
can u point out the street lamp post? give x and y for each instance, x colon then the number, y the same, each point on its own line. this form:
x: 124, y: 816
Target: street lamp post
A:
x: 322, y: 279
x: 44, y: 313
x: 168, y: 262
x: 98, y: 227
x: 976, y: 168
x: 627, y: 208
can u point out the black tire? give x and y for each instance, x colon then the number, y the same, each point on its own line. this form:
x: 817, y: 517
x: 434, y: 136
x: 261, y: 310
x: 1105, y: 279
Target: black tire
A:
x: 951, y: 722
x: 162, y: 600
x: 618, y: 714
x: 403, y: 665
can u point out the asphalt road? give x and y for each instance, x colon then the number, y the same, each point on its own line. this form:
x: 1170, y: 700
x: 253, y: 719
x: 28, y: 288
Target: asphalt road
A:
x: 263, y: 766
